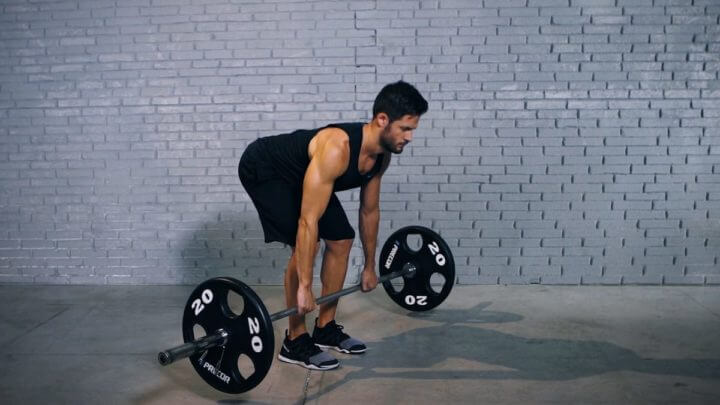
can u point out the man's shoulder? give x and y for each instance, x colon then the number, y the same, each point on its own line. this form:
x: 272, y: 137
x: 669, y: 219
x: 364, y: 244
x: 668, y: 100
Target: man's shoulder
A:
x: 343, y: 131
x: 335, y: 135
x: 347, y: 127
x: 334, y: 140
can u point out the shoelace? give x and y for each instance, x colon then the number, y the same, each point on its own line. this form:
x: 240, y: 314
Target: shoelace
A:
x: 305, y: 347
x: 337, y: 333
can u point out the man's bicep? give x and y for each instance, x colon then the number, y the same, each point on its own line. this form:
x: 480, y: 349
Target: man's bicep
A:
x: 326, y: 166
x: 316, y: 194
x: 370, y: 195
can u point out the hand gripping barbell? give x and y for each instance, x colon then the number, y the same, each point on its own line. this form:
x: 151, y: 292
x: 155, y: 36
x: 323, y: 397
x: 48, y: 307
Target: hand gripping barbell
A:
x: 229, y: 336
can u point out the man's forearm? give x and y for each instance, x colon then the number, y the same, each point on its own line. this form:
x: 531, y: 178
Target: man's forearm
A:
x: 369, y: 222
x: 305, y: 246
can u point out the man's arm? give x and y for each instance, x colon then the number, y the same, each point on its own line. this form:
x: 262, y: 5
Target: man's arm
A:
x: 329, y: 161
x: 369, y: 220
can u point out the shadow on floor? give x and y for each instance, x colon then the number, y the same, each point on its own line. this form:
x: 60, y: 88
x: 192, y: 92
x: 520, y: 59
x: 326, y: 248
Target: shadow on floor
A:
x: 418, y: 352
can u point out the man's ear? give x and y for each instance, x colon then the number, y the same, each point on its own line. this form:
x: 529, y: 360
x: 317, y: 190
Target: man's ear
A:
x: 382, y: 119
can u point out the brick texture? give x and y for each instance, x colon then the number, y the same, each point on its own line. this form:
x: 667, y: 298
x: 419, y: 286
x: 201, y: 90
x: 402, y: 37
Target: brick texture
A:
x: 567, y: 142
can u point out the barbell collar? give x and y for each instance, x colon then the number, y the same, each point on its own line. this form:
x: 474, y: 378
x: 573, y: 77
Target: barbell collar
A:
x: 188, y: 349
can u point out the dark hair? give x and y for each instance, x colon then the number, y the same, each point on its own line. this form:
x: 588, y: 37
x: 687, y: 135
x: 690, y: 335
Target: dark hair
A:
x: 399, y: 99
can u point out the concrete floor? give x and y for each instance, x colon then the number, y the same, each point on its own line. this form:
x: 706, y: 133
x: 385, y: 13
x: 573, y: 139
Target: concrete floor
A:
x: 485, y: 344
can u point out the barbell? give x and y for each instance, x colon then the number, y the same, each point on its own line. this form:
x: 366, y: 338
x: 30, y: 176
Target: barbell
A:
x: 230, y: 336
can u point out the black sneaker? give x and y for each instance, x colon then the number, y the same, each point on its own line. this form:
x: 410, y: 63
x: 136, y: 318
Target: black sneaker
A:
x: 332, y: 337
x: 303, y: 352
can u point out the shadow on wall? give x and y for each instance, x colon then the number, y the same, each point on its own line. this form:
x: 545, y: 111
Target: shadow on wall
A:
x: 460, y: 336
x: 232, y: 246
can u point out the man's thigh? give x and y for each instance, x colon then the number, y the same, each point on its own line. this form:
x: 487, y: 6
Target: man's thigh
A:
x: 278, y: 206
x: 334, y: 224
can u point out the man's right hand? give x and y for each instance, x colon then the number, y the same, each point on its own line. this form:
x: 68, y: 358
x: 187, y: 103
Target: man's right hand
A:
x: 305, y: 300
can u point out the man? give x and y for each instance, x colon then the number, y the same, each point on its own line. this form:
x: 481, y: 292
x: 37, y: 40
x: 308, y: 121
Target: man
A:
x: 291, y: 179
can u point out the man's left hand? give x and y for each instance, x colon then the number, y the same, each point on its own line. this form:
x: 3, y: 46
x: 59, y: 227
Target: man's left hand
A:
x: 369, y: 279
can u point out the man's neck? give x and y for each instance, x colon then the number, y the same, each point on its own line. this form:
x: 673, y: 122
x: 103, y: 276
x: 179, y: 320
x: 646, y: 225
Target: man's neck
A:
x: 371, y: 140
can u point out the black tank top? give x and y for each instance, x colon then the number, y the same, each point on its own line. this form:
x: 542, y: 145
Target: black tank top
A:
x: 287, y: 154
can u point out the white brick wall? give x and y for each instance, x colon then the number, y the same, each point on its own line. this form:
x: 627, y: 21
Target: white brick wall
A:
x: 567, y: 142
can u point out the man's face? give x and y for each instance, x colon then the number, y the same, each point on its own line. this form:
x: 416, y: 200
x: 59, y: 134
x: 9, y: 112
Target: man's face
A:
x: 399, y: 133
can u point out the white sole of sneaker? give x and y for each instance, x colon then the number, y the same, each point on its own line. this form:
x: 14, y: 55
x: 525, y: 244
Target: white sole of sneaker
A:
x: 308, y: 366
x: 341, y: 350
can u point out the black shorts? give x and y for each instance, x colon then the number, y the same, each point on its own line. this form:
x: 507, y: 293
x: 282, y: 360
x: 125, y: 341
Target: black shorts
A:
x: 278, y: 205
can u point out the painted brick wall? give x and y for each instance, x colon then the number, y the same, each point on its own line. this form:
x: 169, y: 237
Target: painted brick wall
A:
x: 567, y: 142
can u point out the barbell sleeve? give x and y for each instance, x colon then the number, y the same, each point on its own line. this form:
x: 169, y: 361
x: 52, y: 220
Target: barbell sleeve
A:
x: 188, y: 349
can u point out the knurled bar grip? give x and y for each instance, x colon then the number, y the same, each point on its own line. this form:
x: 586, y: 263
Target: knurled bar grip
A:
x: 220, y: 337
x: 331, y: 297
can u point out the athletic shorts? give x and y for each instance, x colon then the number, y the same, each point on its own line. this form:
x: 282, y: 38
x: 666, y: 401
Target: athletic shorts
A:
x: 278, y: 204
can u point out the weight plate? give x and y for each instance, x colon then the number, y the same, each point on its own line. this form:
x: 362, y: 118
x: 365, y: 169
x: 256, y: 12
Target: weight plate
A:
x: 431, y: 257
x: 250, y: 334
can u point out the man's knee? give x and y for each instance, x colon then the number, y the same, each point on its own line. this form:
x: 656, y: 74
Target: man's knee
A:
x: 293, y: 255
x: 340, y: 247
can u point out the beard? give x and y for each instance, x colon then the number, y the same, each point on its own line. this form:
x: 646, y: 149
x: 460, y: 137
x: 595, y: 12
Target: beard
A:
x: 387, y: 144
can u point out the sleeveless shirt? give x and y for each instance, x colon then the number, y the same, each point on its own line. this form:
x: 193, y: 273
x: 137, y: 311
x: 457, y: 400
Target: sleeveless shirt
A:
x: 287, y: 155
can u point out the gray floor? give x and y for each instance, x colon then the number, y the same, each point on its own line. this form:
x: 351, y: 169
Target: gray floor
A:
x: 485, y: 344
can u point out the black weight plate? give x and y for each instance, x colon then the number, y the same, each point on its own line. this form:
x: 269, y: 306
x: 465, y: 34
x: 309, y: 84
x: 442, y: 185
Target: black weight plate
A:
x: 250, y: 334
x: 433, y: 256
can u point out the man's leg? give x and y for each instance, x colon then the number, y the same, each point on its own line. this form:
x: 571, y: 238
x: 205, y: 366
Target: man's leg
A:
x: 334, y: 269
x: 296, y: 322
x: 338, y: 235
x: 328, y: 334
x: 298, y: 347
